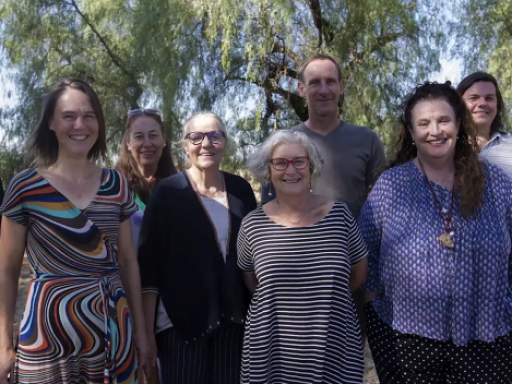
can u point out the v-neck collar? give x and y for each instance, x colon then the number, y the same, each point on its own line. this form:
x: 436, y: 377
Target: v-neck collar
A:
x: 338, y: 127
x: 72, y: 205
x: 188, y: 177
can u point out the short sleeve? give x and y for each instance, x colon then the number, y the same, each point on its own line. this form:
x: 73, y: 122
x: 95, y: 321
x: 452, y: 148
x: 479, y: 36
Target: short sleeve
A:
x: 16, y: 200
x: 128, y: 203
x: 370, y: 225
x: 245, y: 257
x: 356, y: 246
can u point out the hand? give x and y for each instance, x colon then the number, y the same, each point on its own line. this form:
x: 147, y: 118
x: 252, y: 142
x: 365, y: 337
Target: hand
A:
x: 141, y: 343
x: 7, y: 356
x: 153, y: 353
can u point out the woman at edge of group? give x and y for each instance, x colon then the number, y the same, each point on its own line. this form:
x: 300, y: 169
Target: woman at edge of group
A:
x: 145, y: 159
x: 483, y: 98
x: 188, y: 256
x: 71, y: 217
x: 302, y: 255
x: 438, y: 227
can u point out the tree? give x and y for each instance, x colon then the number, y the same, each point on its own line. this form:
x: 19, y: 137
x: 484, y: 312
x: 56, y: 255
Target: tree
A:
x: 239, y: 58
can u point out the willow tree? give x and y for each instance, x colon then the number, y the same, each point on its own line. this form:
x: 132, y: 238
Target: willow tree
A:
x: 385, y: 47
x: 132, y: 52
x: 239, y: 58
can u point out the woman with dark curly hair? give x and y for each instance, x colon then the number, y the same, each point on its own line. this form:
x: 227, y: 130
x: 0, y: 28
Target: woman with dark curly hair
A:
x: 438, y: 226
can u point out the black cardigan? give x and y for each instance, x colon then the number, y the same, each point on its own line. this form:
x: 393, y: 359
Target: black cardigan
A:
x: 179, y: 257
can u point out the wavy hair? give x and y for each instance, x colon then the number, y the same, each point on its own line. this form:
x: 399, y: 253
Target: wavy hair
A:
x: 129, y: 167
x: 469, y: 175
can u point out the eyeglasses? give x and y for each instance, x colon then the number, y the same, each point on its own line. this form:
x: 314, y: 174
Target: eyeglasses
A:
x: 299, y: 163
x: 140, y: 111
x: 197, y: 138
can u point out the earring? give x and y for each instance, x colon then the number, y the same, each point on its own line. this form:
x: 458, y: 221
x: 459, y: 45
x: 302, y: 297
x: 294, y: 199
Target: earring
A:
x: 310, y: 187
x: 413, y: 143
x: 129, y: 149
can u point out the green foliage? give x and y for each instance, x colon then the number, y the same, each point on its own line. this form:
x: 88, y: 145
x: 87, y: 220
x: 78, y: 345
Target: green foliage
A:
x: 239, y: 58
x: 485, y: 40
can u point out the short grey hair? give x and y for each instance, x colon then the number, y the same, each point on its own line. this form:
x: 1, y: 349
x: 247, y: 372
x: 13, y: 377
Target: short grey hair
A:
x: 259, y: 162
x: 203, y: 114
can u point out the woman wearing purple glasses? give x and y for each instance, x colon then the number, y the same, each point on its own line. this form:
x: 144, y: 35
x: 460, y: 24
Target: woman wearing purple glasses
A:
x: 145, y: 159
x: 188, y: 257
x: 301, y: 255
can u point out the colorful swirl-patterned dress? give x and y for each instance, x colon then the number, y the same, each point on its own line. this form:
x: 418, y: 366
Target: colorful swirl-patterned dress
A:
x: 76, y: 327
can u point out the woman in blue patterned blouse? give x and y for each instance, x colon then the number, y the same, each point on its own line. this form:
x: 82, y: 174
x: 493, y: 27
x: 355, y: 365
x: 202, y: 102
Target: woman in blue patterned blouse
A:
x: 438, y: 225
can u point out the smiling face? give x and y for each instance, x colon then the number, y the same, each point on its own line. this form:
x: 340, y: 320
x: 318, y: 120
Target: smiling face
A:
x: 322, y: 88
x: 482, y: 104
x: 75, y: 124
x: 434, y: 130
x: 146, y: 141
x: 205, y: 155
x: 290, y: 181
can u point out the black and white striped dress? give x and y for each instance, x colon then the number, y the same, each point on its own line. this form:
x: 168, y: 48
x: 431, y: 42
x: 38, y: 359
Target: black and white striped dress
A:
x: 302, y: 326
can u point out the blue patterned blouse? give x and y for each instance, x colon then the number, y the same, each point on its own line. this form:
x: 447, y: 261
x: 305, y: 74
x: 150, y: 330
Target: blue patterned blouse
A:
x: 424, y: 288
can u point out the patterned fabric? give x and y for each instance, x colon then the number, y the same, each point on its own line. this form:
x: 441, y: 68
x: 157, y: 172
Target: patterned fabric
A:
x: 207, y: 360
x: 404, y: 359
x: 137, y: 221
x: 302, y: 326
x: 498, y: 151
x: 76, y: 327
x: 425, y: 288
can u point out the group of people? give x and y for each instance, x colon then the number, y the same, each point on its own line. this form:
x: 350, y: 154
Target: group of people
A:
x: 146, y: 274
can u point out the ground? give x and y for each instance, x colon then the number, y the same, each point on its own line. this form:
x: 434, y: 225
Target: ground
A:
x: 370, y: 376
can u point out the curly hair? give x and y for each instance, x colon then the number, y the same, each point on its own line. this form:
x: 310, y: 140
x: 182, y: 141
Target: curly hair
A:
x: 128, y: 166
x: 469, y: 175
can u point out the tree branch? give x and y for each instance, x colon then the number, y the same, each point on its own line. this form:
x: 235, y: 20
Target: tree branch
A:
x: 115, y: 59
x: 325, y: 31
x: 381, y: 41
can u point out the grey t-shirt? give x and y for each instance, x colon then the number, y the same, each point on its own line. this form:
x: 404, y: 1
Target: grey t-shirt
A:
x: 352, y: 158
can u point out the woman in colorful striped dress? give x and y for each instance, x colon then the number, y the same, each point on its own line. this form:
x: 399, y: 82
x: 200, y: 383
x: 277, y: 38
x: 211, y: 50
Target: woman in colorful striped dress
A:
x: 83, y: 317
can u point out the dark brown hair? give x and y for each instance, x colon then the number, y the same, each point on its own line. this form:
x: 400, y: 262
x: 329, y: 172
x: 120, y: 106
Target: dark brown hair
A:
x: 318, y: 56
x: 129, y: 167
x: 43, y: 146
x: 497, y: 124
x: 469, y: 176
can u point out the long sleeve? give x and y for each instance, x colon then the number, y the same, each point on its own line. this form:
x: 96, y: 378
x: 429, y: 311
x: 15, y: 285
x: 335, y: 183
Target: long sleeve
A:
x: 153, y: 240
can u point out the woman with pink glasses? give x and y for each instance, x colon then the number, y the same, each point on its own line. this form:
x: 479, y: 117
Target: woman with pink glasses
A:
x: 302, y: 255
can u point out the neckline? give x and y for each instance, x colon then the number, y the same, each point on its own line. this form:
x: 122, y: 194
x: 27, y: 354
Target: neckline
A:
x: 82, y: 210
x: 420, y: 177
x: 192, y: 183
x: 307, y: 226
x: 338, y: 127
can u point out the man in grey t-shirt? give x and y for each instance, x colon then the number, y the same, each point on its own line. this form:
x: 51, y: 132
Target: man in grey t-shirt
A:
x: 352, y: 154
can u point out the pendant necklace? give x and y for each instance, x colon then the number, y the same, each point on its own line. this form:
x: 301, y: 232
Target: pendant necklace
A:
x: 446, y: 216
x: 294, y: 223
